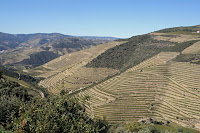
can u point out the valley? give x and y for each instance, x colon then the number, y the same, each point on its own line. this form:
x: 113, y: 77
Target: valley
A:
x: 152, y: 76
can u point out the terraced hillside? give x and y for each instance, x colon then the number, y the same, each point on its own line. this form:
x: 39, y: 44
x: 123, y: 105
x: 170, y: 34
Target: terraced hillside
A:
x: 145, y: 76
x: 79, y: 69
x: 157, y: 88
x: 68, y: 71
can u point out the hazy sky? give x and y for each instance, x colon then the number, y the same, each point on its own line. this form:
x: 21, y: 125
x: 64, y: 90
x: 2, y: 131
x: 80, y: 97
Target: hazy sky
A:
x: 118, y: 18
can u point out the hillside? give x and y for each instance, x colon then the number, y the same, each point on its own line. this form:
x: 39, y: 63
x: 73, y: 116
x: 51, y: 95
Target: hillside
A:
x: 158, y: 79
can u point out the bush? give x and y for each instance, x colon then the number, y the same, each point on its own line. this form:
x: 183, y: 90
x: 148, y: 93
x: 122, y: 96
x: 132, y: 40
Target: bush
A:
x: 149, y: 129
x: 122, y: 130
x: 11, y: 96
x: 57, y: 114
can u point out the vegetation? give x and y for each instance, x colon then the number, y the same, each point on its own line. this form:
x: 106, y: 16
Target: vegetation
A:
x: 57, y: 114
x: 136, y: 127
x: 24, y: 80
x: 11, y: 96
x: 179, y: 47
x: 20, y: 112
x: 192, y: 58
x: 23, y: 77
x: 129, y: 54
x: 180, y: 29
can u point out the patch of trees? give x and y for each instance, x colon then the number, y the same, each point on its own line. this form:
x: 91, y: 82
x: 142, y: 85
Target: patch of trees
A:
x: 131, y: 53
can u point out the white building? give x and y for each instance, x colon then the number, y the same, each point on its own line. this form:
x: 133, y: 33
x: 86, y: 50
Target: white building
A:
x: 198, y: 31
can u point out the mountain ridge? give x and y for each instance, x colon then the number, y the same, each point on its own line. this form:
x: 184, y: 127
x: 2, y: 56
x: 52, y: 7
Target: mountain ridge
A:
x: 26, y: 49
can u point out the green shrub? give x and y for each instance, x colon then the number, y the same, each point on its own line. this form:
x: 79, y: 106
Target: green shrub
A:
x: 57, y: 114
x: 11, y: 96
x: 122, y: 130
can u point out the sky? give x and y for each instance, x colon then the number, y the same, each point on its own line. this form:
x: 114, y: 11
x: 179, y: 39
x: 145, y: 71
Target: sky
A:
x: 116, y: 18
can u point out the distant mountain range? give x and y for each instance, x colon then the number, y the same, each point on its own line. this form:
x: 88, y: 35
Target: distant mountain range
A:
x: 99, y: 38
x: 9, y: 41
x: 39, y: 48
